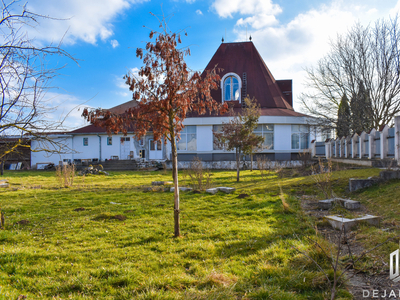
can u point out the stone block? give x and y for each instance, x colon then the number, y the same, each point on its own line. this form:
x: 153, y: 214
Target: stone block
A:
x: 387, y: 175
x: 4, y: 185
x: 212, y: 191
x: 337, y: 222
x: 161, y: 182
x: 227, y: 190
x: 325, y: 204
x: 351, y: 204
x: 356, y: 184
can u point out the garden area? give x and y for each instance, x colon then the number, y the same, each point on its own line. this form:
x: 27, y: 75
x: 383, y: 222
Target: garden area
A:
x: 111, y: 237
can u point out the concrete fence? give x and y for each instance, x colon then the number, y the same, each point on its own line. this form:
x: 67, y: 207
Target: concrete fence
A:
x: 375, y: 144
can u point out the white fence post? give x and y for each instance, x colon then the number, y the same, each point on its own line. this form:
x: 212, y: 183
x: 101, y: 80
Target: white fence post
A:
x: 354, y: 145
x: 384, y: 142
x: 328, y: 148
x: 372, y: 144
x: 362, y: 143
x: 313, y: 148
x: 397, y: 139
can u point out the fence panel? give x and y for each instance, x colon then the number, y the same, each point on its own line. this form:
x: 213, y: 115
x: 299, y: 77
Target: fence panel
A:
x: 390, y: 139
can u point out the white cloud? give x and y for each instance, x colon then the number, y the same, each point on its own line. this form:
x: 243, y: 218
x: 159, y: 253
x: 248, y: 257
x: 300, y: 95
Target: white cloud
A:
x: 65, y: 109
x: 290, y: 47
x: 114, y: 43
x: 88, y: 20
x: 225, y: 8
x: 190, y: 1
x: 199, y: 12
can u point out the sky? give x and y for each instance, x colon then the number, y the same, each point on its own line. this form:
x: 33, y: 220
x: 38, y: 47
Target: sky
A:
x: 103, y: 35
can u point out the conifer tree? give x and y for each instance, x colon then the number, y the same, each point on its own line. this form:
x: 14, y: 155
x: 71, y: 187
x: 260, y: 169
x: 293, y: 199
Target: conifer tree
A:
x: 344, y: 118
x: 361, y: 110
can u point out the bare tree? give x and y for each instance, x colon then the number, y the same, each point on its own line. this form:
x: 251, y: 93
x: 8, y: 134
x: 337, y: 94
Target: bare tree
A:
x: 368, y: 55
x: 24, y: 79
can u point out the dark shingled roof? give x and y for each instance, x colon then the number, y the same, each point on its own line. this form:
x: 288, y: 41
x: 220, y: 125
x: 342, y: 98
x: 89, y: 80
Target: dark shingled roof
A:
x: 243, y: 58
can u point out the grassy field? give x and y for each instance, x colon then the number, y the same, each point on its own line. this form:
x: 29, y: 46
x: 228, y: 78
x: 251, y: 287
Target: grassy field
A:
x: 231, y: 248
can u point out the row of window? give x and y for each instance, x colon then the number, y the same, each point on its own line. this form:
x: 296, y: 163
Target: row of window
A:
x: 188, y: 142
x: 109, y: 141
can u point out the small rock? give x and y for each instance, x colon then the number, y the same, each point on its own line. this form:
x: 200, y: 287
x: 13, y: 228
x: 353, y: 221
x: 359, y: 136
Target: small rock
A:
x: 227, y: 190
x: 4, y: 185
x: 161, y: 182
x: 212, y: 191
x: 115, y: 203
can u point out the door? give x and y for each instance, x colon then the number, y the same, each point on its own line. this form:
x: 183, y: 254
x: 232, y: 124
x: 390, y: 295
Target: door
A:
x: 155, y: 149
x: 125, y: 147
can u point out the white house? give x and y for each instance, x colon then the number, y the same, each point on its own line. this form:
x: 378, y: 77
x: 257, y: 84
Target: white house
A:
x: 244, y: 73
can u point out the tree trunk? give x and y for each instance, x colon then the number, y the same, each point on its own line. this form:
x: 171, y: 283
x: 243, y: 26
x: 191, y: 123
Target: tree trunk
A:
x: 177, y: 230
x: 251, y: 161
x: 237, y: 165
x: 2, y: 168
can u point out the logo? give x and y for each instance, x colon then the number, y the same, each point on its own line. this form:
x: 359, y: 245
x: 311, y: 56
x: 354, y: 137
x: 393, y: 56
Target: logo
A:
x: 394, y: 268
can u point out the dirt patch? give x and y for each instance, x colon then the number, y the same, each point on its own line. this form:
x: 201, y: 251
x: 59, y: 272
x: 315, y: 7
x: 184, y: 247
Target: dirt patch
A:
x: 120, y: 217
x: 79, y: 209
x: 23, y: 222
x: 241, y: 196
x: 361, y: 283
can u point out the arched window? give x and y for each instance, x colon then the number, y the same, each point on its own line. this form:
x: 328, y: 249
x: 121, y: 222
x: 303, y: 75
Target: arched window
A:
x: 231, y: 85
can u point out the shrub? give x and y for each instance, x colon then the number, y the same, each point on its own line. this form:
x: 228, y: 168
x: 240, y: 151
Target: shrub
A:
x: 65, y: 175
x: 199, y: 179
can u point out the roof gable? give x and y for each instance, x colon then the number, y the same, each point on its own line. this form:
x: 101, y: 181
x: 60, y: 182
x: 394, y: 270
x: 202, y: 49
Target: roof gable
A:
x: 243, y: 58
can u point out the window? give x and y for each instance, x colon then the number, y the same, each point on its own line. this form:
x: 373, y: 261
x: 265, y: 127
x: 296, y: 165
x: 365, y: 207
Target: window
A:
x: 216, y: 128
x: 267, y: 132
x: 155, y: 145
x: 85, y: 141
x: 300, y: 137
x: 188, y: 139
x: 230, y: 86
x: 125, y: 139
x: 109, y: 141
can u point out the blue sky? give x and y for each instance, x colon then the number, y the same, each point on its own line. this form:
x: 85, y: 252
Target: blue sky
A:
x: 103, y: 36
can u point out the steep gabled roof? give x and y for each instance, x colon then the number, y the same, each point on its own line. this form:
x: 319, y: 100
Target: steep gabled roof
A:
x: 243, y: 58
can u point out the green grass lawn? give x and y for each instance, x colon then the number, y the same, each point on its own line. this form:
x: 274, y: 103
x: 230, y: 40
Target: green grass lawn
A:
x: 230, y: 248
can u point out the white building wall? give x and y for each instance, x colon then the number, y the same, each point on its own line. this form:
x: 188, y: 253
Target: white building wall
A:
x: 282, y: 137
x: 45, y: 157
x: 110, y: 150
x: 86, y: 152
x: 204, y: 138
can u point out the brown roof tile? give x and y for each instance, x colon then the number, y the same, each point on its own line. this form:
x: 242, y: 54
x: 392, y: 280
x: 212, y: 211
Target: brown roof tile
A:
x: 242, y: 58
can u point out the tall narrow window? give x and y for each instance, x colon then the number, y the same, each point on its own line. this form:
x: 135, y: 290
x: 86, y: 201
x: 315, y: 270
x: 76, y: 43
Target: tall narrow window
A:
x: 109, y: 141
x: 300, y: 137
x: 267, y: 132
x: 231, y: 85
x: 188, y: 139
x: 85, y: 141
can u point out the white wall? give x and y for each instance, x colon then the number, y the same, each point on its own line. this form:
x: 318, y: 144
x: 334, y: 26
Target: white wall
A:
x: 204, y: 138
x: 45, y: 157
x: 86, y: 152
x: 282, y: 137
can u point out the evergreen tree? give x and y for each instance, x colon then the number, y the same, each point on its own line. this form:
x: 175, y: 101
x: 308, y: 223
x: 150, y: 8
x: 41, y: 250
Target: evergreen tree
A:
x: 361, y: 110
x: 344, y: 118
